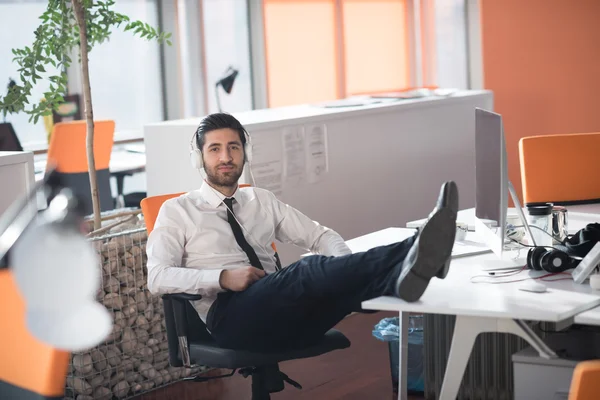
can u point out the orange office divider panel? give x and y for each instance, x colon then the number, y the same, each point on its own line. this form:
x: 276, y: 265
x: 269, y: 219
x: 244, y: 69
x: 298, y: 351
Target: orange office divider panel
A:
x: 67, y: 147
x: 29, y: 368
x: 560, y: 169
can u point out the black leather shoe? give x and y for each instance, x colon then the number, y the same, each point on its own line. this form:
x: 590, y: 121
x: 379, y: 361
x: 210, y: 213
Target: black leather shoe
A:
x: 431, y: 253
x: 448, y: 198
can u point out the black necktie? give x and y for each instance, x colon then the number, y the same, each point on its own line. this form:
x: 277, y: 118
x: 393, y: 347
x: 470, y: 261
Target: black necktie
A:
x: 239, y: 236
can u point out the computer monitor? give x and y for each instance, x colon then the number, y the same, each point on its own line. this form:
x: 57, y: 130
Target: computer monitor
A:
x: 8, y: 138
x: 492, y: 186
x: 70, y: 110
x: 491, y: 179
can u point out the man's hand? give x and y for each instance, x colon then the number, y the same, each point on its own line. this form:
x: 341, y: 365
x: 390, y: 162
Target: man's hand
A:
x: 240, y: 279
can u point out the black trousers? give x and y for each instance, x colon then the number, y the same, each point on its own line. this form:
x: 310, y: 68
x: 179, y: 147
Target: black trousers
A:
x: 295, y: 306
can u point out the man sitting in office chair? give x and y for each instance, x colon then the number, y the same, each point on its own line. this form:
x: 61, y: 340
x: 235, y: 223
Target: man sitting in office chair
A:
x: 215, y: 241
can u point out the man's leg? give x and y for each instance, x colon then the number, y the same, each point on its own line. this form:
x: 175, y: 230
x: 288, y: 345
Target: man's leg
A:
x: 275, y: 310
x: 298, y: 304
x: 429, y: 255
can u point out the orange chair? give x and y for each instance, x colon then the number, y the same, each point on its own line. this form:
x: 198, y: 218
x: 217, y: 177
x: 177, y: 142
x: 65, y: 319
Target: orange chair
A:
x: 190, y: 343
x: 29, y: 368
x: 67, y: 151
x: 560, y: 169
x: 585, y: 384
x: 151, y: 206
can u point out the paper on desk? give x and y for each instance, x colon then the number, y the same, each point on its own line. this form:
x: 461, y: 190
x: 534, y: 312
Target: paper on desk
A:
x: 294, y: 155
x: 472, y: 245
x: 317, y: 158
x: 267, y: 167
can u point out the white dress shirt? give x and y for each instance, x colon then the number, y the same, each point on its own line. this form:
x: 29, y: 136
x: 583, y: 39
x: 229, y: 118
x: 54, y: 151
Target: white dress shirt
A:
x: 192, y: 242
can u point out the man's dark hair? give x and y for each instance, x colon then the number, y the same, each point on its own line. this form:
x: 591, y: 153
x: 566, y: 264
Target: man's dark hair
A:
x: 212, y: 122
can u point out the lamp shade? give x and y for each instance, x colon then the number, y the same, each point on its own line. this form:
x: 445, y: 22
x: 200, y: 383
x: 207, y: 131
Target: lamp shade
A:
x: 76, y: 329
x: 227, y: 81
x: 58, y: 275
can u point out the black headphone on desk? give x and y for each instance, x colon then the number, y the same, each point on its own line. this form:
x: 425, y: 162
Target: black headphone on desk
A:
x: 549, y: 260
x: 575, y: 247
x: 543, y: 258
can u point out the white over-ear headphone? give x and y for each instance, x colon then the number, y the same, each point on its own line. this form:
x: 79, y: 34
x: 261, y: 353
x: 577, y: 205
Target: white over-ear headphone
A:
x: 196, y: 153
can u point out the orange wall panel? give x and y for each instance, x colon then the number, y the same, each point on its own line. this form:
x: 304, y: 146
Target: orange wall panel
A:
x: 542, y: 60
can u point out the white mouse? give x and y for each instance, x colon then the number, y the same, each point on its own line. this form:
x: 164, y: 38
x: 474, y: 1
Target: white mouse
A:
x: 533, y: 286
x: 595, y: 281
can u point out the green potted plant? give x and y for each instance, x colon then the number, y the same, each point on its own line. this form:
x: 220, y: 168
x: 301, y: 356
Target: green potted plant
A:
x: 67, y: 26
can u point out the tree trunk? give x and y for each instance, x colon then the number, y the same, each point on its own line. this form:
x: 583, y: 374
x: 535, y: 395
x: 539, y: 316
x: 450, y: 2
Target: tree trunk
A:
x: 79, y: 12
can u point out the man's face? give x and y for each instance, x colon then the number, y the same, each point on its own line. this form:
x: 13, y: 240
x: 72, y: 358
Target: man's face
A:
x: 223, y: 154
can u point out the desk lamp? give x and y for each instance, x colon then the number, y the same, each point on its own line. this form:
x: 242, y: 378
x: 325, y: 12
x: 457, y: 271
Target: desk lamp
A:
x: 55, y: 269
x: 227, y: 83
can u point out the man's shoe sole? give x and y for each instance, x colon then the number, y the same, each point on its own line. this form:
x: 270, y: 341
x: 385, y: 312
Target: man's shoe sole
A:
x: 450, y: 194
x: 433, y: 250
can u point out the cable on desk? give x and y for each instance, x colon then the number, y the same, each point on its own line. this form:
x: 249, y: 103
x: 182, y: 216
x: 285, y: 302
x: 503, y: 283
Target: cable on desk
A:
x: 494, y: 277
x: 510, y: 227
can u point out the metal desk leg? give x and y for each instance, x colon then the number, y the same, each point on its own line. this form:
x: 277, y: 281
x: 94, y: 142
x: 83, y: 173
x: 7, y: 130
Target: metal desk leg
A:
x: 466, y: 331
x: 120, y: 201
x: 403, y: 362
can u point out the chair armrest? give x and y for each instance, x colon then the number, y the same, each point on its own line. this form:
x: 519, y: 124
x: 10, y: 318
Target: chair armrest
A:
x: 182, y: 296
x: 177, y: 303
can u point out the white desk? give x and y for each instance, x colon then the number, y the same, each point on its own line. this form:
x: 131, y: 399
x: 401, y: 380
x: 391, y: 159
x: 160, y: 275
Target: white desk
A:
x: 578, y: 217
x: 121, y: 161
x: 480, y: 307
x: 589, y: 317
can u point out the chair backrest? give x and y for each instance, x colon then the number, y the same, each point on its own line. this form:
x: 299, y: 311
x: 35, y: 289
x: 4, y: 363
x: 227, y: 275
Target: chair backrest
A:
x: 151, y: 206
x: 30, y: 369
x: 560, y: 169
x: 585, y: 384
x: 67, y: 149
x: 196, y: 329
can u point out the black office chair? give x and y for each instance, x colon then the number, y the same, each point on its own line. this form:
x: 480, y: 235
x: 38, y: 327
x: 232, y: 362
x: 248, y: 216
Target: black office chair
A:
x: 191, y: 344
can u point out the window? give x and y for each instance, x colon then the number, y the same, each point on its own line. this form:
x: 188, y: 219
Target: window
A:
x: 209, y: 37
x: 18, y: 20
x: 226, y: 44
x: 125, y: 74
x: 375, y: 45
x: 319, y: 50
x: 445, y: 34
x: 301, y: 51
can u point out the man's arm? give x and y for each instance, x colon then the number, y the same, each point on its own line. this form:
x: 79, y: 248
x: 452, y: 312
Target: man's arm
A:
x: 296, y: 228
x: 165, y: 249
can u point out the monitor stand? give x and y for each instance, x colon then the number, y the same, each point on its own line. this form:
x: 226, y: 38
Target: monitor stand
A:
x: 520, y: 213
x: 493, y: 233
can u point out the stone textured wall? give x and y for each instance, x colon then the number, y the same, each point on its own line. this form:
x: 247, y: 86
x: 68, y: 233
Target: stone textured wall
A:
x: 134, y: 358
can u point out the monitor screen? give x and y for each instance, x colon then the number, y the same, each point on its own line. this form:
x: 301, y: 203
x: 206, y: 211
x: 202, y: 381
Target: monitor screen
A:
x: 491, y: 180
x: 8, y: 138
x: 489, y: 176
